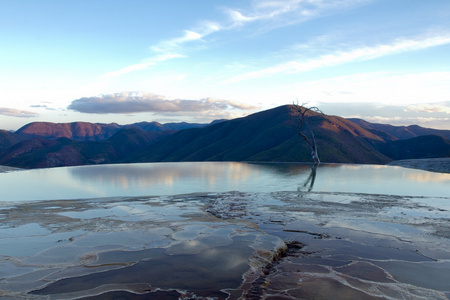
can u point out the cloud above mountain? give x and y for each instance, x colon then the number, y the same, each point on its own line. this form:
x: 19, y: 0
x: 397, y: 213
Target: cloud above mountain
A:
x: 136, y: 102
x: 11, y: 112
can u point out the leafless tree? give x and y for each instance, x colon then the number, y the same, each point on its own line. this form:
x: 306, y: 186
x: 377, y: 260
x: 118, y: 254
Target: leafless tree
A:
x: 305, y: 131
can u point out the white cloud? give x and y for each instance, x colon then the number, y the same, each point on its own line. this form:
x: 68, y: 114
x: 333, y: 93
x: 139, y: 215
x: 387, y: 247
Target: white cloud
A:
x: 11, y: 112
x: 135, y: 102
x: 238, y: 18
x: 443, y: 107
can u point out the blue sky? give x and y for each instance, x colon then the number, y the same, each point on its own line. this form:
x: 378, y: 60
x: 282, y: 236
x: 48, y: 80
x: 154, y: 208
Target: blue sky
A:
x: 130, y: 61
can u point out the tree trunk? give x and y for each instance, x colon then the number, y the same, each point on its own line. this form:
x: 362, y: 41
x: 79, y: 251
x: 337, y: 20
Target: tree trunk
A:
x: 311, y: 140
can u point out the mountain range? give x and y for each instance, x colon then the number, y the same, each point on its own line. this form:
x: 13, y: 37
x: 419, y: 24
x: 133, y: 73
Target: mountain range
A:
x: 83, y: 131
x: 266, y: 136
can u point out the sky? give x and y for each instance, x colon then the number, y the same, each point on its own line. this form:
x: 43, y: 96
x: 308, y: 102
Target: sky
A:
x: 107, y: 61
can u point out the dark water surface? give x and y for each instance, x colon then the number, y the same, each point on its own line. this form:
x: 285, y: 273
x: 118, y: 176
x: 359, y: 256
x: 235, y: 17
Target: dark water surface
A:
x: 146, y: 179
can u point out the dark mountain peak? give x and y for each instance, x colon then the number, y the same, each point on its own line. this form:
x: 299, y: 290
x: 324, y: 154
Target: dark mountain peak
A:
x: 283, y: 111
x: 269, y: 135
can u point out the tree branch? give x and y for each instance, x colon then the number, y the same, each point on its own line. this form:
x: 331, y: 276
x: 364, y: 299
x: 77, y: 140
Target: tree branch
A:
x: 302, y: 111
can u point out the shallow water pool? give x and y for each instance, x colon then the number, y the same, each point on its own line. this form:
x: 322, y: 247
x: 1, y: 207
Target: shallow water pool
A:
x: 146, y: 179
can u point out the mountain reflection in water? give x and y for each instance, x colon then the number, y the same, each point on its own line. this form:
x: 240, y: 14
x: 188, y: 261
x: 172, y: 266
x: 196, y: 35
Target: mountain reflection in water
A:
x: 190, y: 177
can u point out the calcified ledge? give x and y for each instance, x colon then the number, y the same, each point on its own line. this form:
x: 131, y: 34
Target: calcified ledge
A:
x: 441, y: 165
x: 4, y: 169
x: 227, y: 245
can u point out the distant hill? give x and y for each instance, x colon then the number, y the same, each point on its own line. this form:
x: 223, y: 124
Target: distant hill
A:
x: 267, y: 136
x: 8, y: 139
x: 127, y: 141
x: 400, y: 132
x: 84, y: 131
x: 426, y: 146
x: 79, y: 131
x: 43, y: 153
x: 155, y: 126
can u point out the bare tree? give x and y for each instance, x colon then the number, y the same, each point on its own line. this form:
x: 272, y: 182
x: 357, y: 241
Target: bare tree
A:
x: 305, y: 131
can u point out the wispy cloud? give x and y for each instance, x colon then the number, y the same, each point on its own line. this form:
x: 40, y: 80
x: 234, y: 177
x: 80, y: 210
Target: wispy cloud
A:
x: 165, y: 50
x: 42, y: 106
x: 11, y: 112
x: 128, y: 69
x: 342, y: 57
x: 135, y: 102
x: 273, y: 12
x: 144, y: 65
x: 204, y: 29
x: 442, y: 107
x: 287, y: 12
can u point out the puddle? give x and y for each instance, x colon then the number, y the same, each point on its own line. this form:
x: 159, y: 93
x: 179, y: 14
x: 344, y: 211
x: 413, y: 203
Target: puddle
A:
x: 205, y: 274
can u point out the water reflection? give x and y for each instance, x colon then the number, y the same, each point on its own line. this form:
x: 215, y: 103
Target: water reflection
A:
x: 309, y: 182
x: 190, y: 177
x: 127, y: 176
x: 428, y: 176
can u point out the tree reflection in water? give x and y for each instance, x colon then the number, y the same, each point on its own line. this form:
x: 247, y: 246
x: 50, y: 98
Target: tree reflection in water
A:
x: 309, y: 182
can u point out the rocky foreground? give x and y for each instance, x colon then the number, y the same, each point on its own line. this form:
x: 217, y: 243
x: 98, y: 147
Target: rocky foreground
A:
x: 234, y: 245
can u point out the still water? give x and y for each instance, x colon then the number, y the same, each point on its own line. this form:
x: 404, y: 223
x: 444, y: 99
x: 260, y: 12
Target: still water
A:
x: 146, y: 179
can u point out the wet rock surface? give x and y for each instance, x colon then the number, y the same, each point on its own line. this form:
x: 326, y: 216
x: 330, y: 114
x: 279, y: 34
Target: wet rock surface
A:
x: 283, y: 245
x: 348, y: 246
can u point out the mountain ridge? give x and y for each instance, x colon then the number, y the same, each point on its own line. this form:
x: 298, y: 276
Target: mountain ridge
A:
x: 269, y: 135
x: 85, y: 131
x: 401, y: 132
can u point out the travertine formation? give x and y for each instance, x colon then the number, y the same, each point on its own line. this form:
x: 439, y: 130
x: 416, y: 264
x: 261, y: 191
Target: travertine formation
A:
x: 283, y: 245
